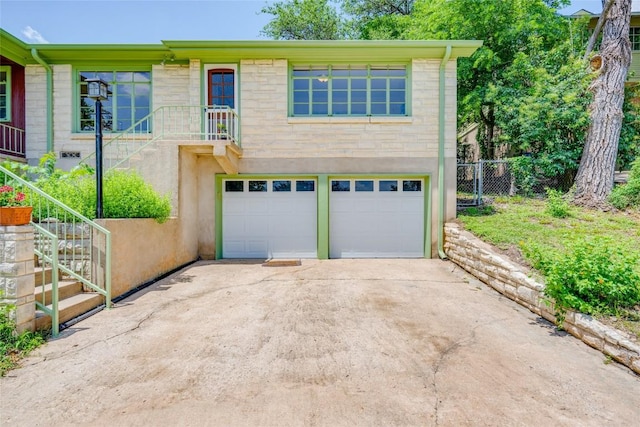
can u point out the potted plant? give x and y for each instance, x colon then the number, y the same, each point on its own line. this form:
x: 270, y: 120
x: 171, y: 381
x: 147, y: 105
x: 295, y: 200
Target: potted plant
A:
x: 222, y: 130
x: 13, y: 207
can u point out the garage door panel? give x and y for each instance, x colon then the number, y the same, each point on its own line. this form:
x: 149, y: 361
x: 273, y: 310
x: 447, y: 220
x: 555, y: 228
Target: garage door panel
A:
x: 270, y: 224
x: 377, y: 224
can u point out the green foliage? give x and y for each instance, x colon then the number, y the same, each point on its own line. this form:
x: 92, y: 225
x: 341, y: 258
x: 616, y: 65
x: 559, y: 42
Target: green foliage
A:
x: 479, y: 210
x: 303, y: 20
x: 557, y: 206
x: 14, y: 346
x: 628, y: 194
x: 127, y: 195
x: 589, y: 259
x: 592, y: 276
x: 523, y: 170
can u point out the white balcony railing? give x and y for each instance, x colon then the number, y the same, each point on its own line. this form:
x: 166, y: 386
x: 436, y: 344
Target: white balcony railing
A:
x: 186, y: 123
x: 12, y: 140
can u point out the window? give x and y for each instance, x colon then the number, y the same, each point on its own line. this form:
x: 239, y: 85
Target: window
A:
x: 365, y: 90
x: 340, y: 185
x: 281, y: 186
x: 221, y: 87
x: 305, y: 186
x: 234, y: 186
x: 634, y: 37
x: 364, y: 185
x: 5, y: 94
x: 388, y: 185
x: 257, y: 186
x: 129, y: 100
x: 413, y: 185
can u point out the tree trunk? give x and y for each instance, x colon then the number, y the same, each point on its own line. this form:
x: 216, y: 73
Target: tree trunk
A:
x: 594, y: 180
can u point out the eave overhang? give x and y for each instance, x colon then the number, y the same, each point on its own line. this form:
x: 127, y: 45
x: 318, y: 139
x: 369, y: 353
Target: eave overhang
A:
x: 181, y: 51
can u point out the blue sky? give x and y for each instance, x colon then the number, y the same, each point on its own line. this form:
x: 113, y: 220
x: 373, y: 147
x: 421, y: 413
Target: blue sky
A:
x: 147, y: 21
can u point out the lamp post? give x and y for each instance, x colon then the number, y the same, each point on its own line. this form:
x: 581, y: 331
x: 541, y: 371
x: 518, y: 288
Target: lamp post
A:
x: 97, y: 90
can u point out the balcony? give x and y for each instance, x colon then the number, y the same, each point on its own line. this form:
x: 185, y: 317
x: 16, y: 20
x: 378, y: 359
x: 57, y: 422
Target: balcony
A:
x: 12, y: 141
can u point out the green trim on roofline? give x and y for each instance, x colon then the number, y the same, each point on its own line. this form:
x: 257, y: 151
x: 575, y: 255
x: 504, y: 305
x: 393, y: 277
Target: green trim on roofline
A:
x: 180, y: 52
x: 321, y: 50
x: 14, y: 49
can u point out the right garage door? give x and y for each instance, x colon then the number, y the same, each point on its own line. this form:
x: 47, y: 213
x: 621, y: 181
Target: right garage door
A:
x: 376, y: 218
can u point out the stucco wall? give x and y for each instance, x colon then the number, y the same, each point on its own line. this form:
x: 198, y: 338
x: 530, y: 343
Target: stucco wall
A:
x: 142, y: 249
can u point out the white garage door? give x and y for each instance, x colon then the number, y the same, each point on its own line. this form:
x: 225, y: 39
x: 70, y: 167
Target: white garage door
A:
x: 269, y: 218
x: 376, y: 218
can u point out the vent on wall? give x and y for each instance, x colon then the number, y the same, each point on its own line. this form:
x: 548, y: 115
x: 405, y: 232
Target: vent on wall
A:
x: 69, y: 154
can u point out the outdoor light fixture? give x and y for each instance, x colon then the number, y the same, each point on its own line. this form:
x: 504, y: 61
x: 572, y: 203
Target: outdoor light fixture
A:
x: 98, y: 91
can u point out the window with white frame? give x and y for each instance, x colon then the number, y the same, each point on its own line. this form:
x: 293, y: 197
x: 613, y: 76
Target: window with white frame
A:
x: 634, y: 37
x: 5, y: 93
x: 129, y: 100
x: 349, y: 90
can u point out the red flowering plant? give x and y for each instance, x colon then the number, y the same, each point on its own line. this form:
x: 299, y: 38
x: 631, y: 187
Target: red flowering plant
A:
x: 10, y: 197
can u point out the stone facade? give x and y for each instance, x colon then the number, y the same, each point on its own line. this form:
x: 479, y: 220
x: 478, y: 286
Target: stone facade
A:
x: 509, y: 279
x: 17, y: 281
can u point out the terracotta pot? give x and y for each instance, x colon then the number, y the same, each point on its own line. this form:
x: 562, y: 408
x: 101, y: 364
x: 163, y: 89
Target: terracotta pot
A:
x: 15, y: 215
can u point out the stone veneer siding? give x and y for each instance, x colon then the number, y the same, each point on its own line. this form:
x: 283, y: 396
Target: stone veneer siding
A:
x: 17, y: 280
x: 479, y: 259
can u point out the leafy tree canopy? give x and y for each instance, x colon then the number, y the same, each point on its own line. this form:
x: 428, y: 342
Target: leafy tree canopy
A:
x: 303, y: 20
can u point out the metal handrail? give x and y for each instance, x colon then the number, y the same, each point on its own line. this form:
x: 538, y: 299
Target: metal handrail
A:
x: 193, y: 123
x: 48, y: 254
x: 83, y: 245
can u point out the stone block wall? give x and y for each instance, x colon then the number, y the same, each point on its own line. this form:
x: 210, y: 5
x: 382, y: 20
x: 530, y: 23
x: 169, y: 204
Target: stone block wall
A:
x: 17, y: 281
x: 479, y: 259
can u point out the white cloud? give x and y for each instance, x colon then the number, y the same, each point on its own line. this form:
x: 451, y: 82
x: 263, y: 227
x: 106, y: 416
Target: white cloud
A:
x: 33, y: 35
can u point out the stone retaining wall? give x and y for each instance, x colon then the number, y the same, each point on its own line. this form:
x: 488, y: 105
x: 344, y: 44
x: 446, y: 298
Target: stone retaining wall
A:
x: 509, y: 279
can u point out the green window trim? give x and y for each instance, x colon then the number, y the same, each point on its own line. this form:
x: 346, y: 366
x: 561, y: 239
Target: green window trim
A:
x: 349, y: 90
x: 130, y: 94
x: 634, y: 38
x: 5, y: 93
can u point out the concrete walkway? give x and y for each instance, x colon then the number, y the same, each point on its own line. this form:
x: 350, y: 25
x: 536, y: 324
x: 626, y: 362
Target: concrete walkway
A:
x: 327, y: 343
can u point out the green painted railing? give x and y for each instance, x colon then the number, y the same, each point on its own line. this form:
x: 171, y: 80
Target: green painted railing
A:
x: 179, y: 123
x: 83, y: 247
x: 46, y: 248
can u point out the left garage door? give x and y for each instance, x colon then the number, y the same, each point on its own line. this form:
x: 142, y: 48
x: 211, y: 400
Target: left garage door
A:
x: 269, y: 218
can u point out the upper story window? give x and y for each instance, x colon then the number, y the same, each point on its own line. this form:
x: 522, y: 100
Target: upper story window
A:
x: 222, y: 87
x: 634, y: 37
x: 5, y: 93
x: 129, y: 100
x: 349, y: 90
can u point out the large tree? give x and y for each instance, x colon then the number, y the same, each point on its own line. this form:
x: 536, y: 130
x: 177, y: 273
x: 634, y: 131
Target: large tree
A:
x: 303, y: 20
x: 509, y: 29
x: 594, y: 180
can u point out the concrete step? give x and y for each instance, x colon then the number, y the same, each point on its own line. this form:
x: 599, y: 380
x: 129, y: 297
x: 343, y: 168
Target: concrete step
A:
x: 70, y: 308
x: 66, y: 289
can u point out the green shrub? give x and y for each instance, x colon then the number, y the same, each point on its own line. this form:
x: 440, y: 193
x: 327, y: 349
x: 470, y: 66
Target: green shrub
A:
x: 628, y: 194
x: 592, y: 276
x: 127, y: 195
x: 14, y: 346
x: 557, y: 206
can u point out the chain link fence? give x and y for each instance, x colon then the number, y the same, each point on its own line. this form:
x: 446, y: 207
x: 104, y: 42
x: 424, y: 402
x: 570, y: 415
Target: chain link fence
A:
x: 490, y: 178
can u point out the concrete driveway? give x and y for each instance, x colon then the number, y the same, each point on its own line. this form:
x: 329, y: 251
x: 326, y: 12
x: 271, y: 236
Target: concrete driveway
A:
x: 333, y: 343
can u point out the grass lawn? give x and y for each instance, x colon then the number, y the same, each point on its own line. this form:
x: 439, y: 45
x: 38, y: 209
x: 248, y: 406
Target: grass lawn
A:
x: 517, y: 225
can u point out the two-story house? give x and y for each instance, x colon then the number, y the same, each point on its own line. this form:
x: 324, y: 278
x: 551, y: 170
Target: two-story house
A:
x: 269, y: 149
